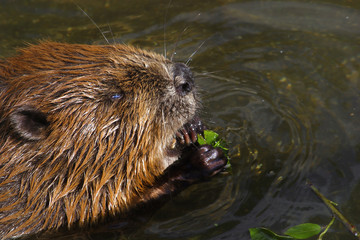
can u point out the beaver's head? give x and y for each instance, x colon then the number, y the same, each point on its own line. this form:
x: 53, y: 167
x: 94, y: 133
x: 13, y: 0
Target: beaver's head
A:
x: 83, y: 129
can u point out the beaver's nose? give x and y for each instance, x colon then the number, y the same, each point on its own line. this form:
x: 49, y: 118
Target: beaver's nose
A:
x: 183, y: 79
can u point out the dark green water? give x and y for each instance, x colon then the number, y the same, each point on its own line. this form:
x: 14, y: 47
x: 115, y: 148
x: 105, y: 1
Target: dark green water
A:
x: 280, y: 82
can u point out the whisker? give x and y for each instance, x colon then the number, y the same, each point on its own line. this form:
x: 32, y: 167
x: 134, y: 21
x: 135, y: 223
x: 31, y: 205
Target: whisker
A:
x: 198, y: 48
x: 202, y: 74
x: 167, y: 10
x: 177, y: 42
x: 163, y: 120
x: 180, y: 35
x: 112, y: 35
x: 93, y: 23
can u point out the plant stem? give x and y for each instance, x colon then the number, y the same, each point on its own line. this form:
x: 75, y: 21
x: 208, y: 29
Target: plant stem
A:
x: 335, y: 212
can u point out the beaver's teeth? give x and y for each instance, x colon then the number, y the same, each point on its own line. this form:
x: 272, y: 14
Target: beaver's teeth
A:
x: 180, y: 136
x: 173, y: 144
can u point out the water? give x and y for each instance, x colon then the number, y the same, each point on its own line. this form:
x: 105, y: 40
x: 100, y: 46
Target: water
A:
x: 280, y: 81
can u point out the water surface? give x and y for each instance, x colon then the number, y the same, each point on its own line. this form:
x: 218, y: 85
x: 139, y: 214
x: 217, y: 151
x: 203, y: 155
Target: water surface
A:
x: 280, y: 82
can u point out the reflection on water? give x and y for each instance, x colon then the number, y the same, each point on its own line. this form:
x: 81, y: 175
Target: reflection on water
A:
x: 280, y: 82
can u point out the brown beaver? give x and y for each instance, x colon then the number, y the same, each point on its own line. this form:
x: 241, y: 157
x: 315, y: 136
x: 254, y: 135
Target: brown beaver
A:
x: 89, y: 131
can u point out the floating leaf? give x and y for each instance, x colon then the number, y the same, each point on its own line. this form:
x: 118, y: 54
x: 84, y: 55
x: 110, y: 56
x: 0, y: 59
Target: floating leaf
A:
x: 265, y: 234
x: 303, y: 231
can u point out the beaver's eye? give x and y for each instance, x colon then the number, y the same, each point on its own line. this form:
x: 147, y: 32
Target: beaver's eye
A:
x: 117, y: 96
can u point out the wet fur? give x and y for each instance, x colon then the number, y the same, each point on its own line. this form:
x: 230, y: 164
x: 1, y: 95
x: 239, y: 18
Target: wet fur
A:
x: 84, y: 133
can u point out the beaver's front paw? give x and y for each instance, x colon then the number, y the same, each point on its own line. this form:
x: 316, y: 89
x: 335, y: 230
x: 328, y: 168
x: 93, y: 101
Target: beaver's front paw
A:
x: 208, y: 160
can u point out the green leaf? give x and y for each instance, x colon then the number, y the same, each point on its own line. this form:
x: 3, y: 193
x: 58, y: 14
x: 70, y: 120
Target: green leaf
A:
x: 201, y: 140
x: 265, y: 234
x: 210, y: 137
x: 303, y: 231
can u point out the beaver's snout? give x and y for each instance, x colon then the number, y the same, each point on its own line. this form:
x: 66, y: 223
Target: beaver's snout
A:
x: 184, y: 80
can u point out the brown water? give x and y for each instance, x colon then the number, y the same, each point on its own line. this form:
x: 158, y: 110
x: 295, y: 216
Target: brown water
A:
x: 280, y: 82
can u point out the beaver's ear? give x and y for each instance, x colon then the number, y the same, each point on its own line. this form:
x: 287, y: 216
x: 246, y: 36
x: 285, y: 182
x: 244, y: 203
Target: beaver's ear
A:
x: 29, y: 123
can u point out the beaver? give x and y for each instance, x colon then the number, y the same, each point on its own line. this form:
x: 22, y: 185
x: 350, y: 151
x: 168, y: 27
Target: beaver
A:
x: 90, y: 131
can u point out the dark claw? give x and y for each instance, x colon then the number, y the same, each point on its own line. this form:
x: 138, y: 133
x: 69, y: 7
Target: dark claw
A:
x: 193, y: 134
x: 188, y: 134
